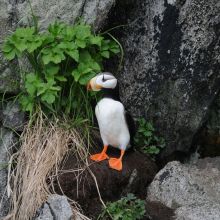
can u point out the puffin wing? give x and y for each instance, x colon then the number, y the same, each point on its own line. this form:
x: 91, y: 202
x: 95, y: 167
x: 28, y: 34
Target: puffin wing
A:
x: 131, y: 127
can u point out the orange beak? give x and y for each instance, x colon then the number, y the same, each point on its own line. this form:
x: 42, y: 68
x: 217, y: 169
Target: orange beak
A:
x: 89, y: 86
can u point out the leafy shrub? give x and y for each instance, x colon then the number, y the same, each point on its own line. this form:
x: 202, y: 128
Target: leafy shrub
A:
x: 128, y: 208
x: 147, y: 142
x: 63, y: 61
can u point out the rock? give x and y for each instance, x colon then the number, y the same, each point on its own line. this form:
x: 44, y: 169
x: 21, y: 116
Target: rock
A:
x: 170, y: 72
x: 11, y: 116
x: 43, y: 213
x: 6, y: 17
x: 8, y: 139
x: 189, y: 188
x: 132, y: 186
x: 66, y: 11
x: 55, y: 208
x: 194, y: 212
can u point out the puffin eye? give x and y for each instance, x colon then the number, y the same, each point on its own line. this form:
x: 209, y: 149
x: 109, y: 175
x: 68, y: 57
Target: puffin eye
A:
x: 103, y: 79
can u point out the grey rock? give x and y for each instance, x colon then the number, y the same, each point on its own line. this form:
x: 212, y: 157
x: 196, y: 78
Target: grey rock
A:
x: 12, y: 116
x: 189, y: 188
x: 132, y: 186
x: 171, y: 69
x: 66, y: 11
x: 6, y: 14
x: 200, y: 212
x: 43, y: 213
x: 55, y: 208
x: 8, y: 139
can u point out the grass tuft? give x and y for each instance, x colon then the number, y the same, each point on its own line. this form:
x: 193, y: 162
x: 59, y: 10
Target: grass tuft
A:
x: 45, y: 147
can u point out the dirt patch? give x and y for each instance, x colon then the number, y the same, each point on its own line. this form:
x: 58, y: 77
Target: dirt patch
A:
x: 82, y: 187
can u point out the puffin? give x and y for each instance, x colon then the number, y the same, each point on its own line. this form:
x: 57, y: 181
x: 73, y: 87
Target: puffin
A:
x: 116, y: 125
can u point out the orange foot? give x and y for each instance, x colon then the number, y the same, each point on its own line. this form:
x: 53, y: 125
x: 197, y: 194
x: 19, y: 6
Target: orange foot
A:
x: 115, y: 163
x: 100, y: 157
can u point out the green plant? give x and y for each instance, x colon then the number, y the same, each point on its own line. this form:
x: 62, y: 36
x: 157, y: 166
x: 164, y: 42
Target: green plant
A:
x: 62, y: 63
x: 127, y: 208
x: 147, y: 141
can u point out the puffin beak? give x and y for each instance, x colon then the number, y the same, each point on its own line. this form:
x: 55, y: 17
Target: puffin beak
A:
x: 89, y: 87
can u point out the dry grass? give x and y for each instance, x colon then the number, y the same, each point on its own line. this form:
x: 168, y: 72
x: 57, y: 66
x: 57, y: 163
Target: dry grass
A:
x: 45, y: 148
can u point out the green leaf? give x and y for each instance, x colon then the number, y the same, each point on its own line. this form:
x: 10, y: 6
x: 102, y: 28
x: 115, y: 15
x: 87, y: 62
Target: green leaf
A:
x: 149, y: 126
x: 31, y: 88
x: 155, y: 138
x: 61, y: 78
x: 114, y: 50
x: 18, y: 43
x: 7, y: 47
x: 48, y: 96
x: 105, y: 54
x: 58, y: 58
x: 24, y: 32
x: 84, y: 56
x: 104, y: 47
x: 41, y: 89
x: 95, y: 65
x: 31, y: 77
x: 74, y: 54
x: 67, y: 45
x: 26, y: 103
x: 96, y: 40
x: 81, y: 43
x: 161, y: 143
x: 47, y: 58
x: 130, y: 196
x: 118, y: 214
x: 74, y: 104
x: 147, y: 133
x: 68, y: 33
x: 84, y: 79
x: 10, y: 55
x: 50, y: 71
x: 46, y: 38
x: 76, y: 74
x: 31, y: 46
x: 141, y: 129
x: 153, y: 150
x: 147, y: 142
x: 84, y: 68
x: 83, y: 32
x: 56, y: 28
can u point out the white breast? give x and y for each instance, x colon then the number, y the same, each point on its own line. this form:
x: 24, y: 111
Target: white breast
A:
x: 112, y: 124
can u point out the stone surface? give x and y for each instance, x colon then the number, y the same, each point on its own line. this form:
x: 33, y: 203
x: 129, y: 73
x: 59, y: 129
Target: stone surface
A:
x: 8, y: 138
x: 55, y: 208
x: 6, y: 18
x: 189, y: 188
x: 11, y: 116
x: 43, y: 213
x: 133, y: 184
x: 170, y: 73
x: 200, y: 212
x: 66, y: 11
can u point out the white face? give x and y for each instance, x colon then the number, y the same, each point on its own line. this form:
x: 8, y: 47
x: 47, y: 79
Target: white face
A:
x: 103, y: 80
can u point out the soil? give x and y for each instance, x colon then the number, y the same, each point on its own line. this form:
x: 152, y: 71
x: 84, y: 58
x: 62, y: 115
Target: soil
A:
x: 82, y: 188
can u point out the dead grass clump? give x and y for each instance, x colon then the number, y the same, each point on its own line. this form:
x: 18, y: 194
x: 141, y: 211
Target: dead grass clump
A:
x: 45, y: 147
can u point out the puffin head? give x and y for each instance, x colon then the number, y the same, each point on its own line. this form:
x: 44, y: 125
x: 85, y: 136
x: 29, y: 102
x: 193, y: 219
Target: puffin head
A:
x: 102, y: 80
